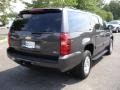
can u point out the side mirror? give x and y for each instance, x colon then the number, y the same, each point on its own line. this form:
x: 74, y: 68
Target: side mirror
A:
x: 97, y: 26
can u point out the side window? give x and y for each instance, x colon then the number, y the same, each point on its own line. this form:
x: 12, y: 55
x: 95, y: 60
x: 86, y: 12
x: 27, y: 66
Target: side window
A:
x: 78, y: 21
x: 95, y: 23
x: 102, y: 24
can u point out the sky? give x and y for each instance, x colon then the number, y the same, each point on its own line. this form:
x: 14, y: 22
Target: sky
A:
x: 18, y: 6
x: 107, y: 1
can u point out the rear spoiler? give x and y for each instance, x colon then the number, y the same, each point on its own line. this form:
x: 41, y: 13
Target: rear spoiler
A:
x: 38, y: 10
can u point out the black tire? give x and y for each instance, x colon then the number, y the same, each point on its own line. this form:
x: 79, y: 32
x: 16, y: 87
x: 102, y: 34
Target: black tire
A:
x: 110, y: 48
x: 79, y: 71
x: 119, y: 30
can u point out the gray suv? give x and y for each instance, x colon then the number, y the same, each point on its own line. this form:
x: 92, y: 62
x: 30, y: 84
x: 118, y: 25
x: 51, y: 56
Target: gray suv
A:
x: 65, y: 39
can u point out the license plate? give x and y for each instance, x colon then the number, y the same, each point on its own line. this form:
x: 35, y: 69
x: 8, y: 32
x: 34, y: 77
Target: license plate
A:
x: 28, y: 44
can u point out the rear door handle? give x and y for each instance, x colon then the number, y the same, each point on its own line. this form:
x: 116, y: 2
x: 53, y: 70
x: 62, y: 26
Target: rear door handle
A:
x: 97, y: 35
x: 107, y: 34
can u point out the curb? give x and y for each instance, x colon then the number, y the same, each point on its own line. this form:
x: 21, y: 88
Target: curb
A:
x: 3, y: 40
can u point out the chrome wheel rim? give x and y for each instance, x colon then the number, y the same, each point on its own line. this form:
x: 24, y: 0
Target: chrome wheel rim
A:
x: 87, y: 65
x: 117, y: 30
x: 111, y: 47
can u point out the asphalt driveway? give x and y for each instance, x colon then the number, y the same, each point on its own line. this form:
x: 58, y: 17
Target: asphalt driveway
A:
x: 105, y: 74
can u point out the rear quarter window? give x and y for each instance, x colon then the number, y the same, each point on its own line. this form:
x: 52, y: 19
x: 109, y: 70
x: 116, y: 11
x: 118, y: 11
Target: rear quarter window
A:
x: 78, y: 21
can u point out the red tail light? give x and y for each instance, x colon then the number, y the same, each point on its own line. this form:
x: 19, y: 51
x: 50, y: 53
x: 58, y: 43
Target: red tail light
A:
x: 65, y: 46
x: 9, y: 39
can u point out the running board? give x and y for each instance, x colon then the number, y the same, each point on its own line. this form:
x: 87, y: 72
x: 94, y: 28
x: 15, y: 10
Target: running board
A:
x: 101, y: 54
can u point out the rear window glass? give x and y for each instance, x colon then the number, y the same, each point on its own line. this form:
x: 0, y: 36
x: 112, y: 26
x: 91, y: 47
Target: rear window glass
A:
x: 45, y: 22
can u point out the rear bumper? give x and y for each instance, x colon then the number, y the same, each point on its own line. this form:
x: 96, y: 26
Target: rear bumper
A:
x: 63, y: 63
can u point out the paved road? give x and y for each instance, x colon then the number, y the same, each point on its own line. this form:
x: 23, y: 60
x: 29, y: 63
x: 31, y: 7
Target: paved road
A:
x: 3, y: 31
x: 105, y: 75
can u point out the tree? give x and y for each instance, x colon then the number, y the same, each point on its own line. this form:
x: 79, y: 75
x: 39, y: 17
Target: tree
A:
x: 5, y: 6
x: 50, y: 3
x: 81, y: 4
x: 113, y: 7
x: 108, y: 16
x: 95, y: 6
x: 88, y: 5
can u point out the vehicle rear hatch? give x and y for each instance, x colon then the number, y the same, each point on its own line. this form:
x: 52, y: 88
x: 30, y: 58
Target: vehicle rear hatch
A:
x: 37, y: 32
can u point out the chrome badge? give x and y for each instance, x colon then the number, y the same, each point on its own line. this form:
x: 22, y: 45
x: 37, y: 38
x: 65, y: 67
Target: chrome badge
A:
x: 28, y: 38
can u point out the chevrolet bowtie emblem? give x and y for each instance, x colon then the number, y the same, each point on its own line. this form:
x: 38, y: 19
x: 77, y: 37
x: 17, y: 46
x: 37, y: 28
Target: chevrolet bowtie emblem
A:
x: 28, y: 37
